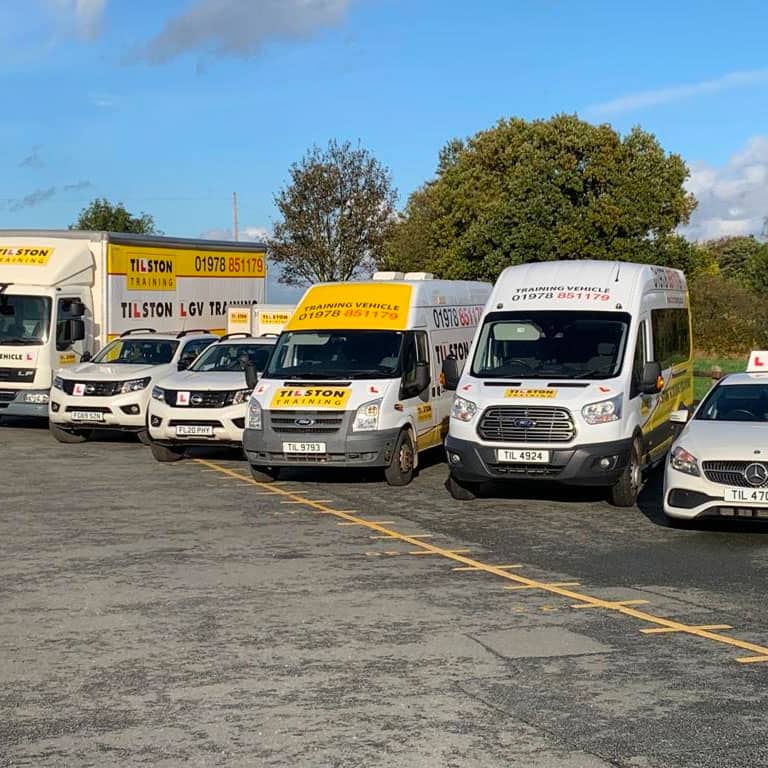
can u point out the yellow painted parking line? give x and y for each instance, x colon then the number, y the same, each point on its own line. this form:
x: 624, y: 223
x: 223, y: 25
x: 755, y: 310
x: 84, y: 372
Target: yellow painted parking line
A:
x: 381, y: 537
x: 316, y: 501
x: 546, y: 584
x: 378, y: 522
x: 663, y: 630
x: 625, y: 607
x: 474, y: 568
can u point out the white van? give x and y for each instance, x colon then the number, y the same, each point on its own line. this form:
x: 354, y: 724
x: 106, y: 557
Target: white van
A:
x: 572, y: 377
x: 354, y: 380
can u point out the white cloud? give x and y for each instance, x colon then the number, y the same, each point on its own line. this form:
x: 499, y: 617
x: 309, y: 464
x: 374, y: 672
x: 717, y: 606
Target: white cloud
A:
x: 277, y: 292
x: 86, y: 15
x: 733, y: 198
x: 240, y: 28
x: 652, y: 98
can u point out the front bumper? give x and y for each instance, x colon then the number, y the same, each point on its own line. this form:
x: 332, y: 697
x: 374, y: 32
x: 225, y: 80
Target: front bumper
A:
x: 13, y: 402
x: 126, y: 412
x: 687, y: 497
x: 227, y: 424
x: 470, y: 462
x: 264, y: 447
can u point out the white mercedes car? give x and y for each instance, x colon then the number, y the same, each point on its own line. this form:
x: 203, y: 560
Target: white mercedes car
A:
x: 207, y: 403
x: 718, y: 464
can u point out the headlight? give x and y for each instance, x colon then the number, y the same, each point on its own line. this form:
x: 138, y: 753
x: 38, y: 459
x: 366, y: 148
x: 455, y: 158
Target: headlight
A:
x: 134, y: 385
x: 463, y: 409
x: 254, y: 414
x: 684, y: 462
x: 241, y: 396
x: 58, y: 383
x: 158, y: 394
x: 602, y: 412
x: 367, y: 417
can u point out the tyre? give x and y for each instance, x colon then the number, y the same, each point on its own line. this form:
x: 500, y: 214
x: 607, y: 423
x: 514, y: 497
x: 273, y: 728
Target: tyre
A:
x: 68, y: 436
x: 144, y: 437
x: 165, y: 453
x: 462, y: 491
x: 625, y: 490
x: 265, y: 474
x: 400, y: 469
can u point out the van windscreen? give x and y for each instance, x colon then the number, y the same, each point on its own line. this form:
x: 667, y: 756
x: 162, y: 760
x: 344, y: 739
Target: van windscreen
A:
x: 350, y: 354
x: 555, y: 344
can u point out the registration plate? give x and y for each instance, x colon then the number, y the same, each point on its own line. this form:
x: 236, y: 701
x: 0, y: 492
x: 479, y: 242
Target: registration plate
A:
x: 747, y: 495
x: 86, y: 415
x: 522, y: 456
x: 194, y: 430
x: 303, y: 447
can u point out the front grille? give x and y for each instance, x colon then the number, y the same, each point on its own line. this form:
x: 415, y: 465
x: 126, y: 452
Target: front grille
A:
x: 94, y: 388
x: 525, y: 470
x: 200, y: 399
x: 522, y: 424
x: 324, y: 422
x: 95, y: 408
x: 17, y: 374
x: 7, y: 395
x: 731, y: 473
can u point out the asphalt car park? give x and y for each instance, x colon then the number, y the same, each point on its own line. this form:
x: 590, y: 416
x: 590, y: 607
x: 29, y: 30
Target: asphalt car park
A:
x: 166, y: 614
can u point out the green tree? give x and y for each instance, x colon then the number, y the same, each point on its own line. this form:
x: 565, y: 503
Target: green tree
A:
x: 543, y: 190
x: 101, y: 215
x: 743, y: 259
x: 334, y: 213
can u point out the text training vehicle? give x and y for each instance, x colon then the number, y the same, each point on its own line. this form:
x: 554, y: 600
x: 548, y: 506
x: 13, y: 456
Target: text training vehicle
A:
x: 354, y: 380
x: 572, y: 377
x: 64, y: 295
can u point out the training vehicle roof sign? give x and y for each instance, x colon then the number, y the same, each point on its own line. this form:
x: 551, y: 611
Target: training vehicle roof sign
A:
x: 758, y: 362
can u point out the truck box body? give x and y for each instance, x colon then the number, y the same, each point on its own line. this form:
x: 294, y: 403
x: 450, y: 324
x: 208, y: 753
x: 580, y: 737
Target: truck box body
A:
x: 118, y: 282
x: 259, y: 320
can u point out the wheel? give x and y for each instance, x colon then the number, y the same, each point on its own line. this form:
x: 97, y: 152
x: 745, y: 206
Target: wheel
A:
x: 68, y: 436
x: 144, y: 437
x: 165, y: 453
x: 265, y: 474
x: 400, y: 469
x: 461, y: 491
x: 625, y: 490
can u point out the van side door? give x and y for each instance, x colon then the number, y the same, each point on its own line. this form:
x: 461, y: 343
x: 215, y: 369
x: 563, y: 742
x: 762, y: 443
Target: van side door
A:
x: 416, y: 388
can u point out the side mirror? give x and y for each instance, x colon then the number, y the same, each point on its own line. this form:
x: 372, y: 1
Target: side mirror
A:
x: 75, y: 330
x: 423, y: 377
x: 451, y: 373
x: 183, y: 364
x: 651, y: 382
x: 85, y: 357
x: 76, y: 308
x: 251, y: 375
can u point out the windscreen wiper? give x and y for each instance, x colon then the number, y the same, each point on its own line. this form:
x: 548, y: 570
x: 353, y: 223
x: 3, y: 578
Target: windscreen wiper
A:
x: 18, y: 340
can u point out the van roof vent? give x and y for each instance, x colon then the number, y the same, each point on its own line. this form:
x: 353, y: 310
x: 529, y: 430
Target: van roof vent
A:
x: 387, y: 275
x: 419, y: 276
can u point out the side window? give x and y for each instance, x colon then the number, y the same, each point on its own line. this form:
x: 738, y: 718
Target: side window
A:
x: 63, y: 316
x: 193, y: 348
x: 415, y: 350
x: 639, y: 360
x: 671, y: 336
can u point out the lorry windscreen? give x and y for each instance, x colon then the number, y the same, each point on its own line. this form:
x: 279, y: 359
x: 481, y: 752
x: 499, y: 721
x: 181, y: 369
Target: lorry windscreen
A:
x: 232, y: 357
x: 24, y: 319
x: 351, y: 354
x: 137, y: 352
x: 563, y: 344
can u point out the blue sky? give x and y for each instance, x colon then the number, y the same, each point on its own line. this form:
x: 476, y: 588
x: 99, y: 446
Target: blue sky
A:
x: 171, y: 105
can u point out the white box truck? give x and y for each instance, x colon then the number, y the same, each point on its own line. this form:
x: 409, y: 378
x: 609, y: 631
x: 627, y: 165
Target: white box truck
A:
x: 64, y: 294
x: 572, y: 377
x: 354, y: 379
